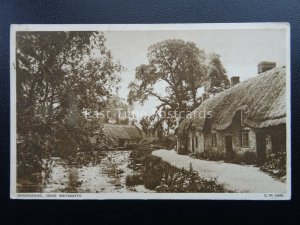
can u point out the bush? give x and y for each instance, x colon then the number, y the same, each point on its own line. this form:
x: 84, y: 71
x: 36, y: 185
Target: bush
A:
x: 137, y: 157
x: 164, y: 177
x: 168, y: 142
x: 28, y: 164
x: 160, y: 176
x: 140, y: 152
x: 276, y: 164
x: 132, y: 146
x: 152, y: 171
x: 183, y: 151
x: 249, y: 157
x: 210, y: 155
x: 133, y: 180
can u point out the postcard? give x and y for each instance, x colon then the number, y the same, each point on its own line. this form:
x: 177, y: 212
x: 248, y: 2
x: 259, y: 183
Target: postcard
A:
x: 151, y: 111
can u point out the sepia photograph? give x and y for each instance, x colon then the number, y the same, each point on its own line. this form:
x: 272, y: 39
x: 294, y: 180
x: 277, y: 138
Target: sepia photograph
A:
x: 150, y: 111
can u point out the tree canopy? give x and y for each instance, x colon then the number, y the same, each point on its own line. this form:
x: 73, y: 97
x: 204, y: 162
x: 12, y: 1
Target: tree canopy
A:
x: 217, y: 79
x: 180, y: 66
x: 59, y: 75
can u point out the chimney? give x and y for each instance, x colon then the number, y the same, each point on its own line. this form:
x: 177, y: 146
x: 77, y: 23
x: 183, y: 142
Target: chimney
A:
x: 234, y: 80
x: 265, y: 65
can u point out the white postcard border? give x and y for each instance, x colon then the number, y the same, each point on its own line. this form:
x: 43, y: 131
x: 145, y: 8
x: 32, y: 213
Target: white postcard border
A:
x: 144, y: 27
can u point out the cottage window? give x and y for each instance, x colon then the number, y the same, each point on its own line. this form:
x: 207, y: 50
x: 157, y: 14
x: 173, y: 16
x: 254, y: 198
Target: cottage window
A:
x: 214, y: 140
x: 245, y: 139
x: 196, y: 142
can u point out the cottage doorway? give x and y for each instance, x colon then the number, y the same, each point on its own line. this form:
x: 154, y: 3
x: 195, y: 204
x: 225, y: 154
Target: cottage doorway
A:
x: 261, y: 147
x: 121, y: 143
x: 228, y: 146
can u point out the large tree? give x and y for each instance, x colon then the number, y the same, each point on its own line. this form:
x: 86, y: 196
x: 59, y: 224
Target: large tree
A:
x: 59, y: 75
x: 180, y: 66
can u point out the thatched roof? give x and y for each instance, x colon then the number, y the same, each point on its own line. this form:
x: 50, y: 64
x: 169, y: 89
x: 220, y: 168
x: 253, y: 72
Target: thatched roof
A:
x: 121, y: 131
x: 262, y: 99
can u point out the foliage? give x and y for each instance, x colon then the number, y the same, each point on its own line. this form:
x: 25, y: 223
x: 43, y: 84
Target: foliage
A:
x: 152, y: 171
x: 210, y: 155
x: 146, y: 124
x: 59, y: 76
x: 155, y: 174
x: 183, y: 150
x: 248, y: 157
x: 276, y: 164
x: 137, y: 157
x: 28, y: 166
x: 163, y: 177
x: 217, y: 79
x: 117, y: 110
x: 133, y: 180
x: 180, y: 67
x: 168, y: 142
x: 140, y: 152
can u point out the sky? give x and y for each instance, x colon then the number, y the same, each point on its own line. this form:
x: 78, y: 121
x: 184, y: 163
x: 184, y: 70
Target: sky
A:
x: 240, y: 51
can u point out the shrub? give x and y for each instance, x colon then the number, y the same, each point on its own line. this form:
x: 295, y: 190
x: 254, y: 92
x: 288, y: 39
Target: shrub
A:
x: 140, y: 152
x: 183, y: 151
x: 248, y: 157
x: 276, y: 164
x: 133, y: 180
x: 152, y: 171
x: 137, y: 157
x: 168, y: 142
x: 210, y: 155
x: 132, y: 146
x: 164, y: 177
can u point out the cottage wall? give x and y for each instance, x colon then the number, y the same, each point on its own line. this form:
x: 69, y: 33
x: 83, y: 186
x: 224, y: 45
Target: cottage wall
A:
x: 193, y: 136
x: 235, y: 131
x: 252, y: 141
x: 207, y: 141
x: 181, y: 142
x: 220, y: 148
x: 190, y: 136
x: 200, y: 142
x: 272, y: 135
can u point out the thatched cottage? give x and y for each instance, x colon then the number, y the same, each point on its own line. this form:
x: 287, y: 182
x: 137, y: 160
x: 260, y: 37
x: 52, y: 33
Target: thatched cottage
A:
x: 125, y: 134
x: 248, y: 117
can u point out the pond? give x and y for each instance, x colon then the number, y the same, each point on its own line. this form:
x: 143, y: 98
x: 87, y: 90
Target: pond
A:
x: 108, y: 176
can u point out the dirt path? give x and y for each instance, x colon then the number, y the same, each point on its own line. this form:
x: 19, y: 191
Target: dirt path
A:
x: 236, y: 177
